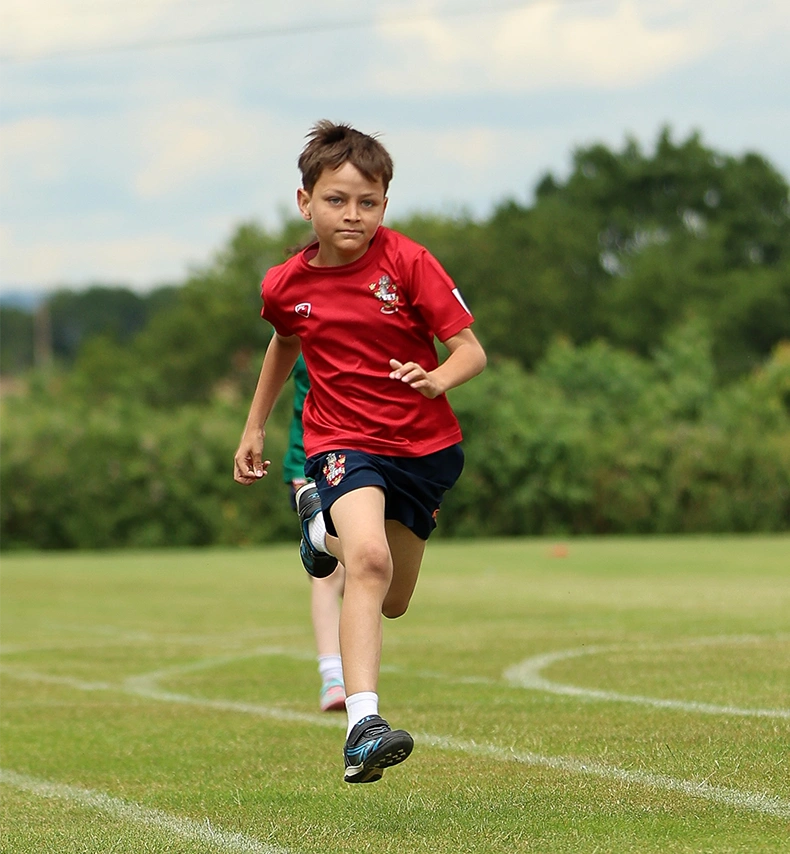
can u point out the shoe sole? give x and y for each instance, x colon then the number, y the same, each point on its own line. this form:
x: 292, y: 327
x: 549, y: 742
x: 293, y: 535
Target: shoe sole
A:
x: 317, y: 564
x: 396, y: 749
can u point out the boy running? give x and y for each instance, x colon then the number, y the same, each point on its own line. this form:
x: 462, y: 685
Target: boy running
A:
x: 364, y: 305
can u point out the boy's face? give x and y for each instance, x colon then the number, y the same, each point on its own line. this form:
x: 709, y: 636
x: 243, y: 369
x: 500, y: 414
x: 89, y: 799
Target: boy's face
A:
x: 345, y: 209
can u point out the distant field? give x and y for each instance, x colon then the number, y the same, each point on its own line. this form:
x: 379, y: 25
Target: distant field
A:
x: 632, y: 695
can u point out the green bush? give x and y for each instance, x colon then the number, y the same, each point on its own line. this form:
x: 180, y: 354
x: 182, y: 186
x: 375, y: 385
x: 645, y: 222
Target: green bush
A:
x: 602, y: 441
x: 127, y: 476
x: 595, y: 440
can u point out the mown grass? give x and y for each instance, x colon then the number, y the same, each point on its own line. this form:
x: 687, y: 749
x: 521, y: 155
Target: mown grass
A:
x: 184, y: 683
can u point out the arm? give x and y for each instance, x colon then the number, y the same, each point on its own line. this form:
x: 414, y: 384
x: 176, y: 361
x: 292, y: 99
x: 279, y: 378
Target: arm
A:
x: 466, y: 360
x: 278, y: 362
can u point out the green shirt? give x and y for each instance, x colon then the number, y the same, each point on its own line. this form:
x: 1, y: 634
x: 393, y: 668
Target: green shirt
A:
x: 293, y: 464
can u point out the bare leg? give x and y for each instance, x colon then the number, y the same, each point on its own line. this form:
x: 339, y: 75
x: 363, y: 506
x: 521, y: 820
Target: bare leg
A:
x: 359, y: 520
x: 382, y: 562
x: 325, y: 610
x: 407, y: 551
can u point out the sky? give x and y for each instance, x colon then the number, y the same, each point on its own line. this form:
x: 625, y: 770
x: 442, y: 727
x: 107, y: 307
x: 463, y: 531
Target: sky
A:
x: 135, y: 137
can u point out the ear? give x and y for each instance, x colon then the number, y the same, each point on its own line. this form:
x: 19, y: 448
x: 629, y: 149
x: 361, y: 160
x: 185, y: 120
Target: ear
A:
x: 303, y: 200
x: 383, y: 209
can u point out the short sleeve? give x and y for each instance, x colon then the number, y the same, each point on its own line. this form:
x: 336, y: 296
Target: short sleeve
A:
x: 437, y: 298
x: 270, y: 311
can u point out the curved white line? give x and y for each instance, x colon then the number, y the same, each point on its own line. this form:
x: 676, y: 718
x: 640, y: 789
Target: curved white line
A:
x: 528, y: 674
x: 753, y: 801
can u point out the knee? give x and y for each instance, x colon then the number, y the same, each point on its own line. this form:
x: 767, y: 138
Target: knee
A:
x: 393, y: 610
x: 371, y: 562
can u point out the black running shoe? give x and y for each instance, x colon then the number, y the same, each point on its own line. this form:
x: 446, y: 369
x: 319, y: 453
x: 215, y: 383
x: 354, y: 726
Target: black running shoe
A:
x: 371, y: 747
x: 308, y: 504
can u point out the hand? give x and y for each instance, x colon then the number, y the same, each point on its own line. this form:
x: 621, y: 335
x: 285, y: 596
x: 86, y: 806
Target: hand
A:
x: 248, y: 465
x: 416, y: 376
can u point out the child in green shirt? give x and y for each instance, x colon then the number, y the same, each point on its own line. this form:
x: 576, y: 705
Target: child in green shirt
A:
x: 325, y: 593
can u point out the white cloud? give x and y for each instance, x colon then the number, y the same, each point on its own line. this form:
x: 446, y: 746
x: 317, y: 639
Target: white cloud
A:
x: 612, y: 44
x: 469, y: 169
x: 188, y: 149
x: 136, y: 194
x: 34, y: 27
x: 188, y: 142
x: 614, y: 50
x: 80, y: 257
x: 129, y: 166
x: 32, y: 152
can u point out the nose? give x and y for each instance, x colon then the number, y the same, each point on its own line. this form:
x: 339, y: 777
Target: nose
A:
x: 352, y: 211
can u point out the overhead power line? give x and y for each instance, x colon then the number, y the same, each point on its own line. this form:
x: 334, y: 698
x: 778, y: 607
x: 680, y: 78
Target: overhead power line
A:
x: 258, y: 33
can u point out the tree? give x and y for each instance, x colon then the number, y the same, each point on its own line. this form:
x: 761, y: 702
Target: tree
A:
x: 630, y: 245
x: 210, y: 333
x: 16, y: 340
x: 116, y: 312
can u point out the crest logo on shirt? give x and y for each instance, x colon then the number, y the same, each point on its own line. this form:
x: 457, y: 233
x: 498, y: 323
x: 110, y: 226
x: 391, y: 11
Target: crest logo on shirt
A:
x: 303, y: 309
x: 334, y: 468
x: 386, y: 291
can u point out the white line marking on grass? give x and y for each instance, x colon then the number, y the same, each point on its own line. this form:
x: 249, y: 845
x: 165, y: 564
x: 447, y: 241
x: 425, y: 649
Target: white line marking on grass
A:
x: 117, y: 633
x: 102, y: 636
x: 271, y: 712
x: 186, y: 828
x: 527, y: 674
x: 215, y: 661
x: 751, y: 801
x: 48, y: 679
x: 524, y: 675
x: 145, y: 687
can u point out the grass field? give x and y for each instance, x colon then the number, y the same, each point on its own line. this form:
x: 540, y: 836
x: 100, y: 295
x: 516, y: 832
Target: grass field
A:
x: 630, y: 696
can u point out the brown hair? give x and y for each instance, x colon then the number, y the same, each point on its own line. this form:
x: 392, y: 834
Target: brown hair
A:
x: 331, y: 145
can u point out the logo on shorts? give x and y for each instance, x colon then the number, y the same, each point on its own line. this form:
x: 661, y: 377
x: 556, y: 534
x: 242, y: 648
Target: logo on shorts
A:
x: 334, y: 468
x: 386, y: 291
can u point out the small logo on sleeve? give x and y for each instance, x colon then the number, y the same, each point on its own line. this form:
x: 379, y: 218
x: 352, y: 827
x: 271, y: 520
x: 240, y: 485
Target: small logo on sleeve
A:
x: 303, y: 309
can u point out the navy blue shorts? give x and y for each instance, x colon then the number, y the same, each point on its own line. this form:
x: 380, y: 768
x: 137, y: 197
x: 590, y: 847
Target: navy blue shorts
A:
x: 413, y: 486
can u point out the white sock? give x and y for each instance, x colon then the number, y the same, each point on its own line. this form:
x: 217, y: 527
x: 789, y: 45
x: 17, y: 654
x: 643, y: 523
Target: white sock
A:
x: 330, y: 667
x: 316, y: 528
x: 360, y: 706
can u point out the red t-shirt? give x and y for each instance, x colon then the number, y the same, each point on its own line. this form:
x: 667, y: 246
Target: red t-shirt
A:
x: 351, y: 320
